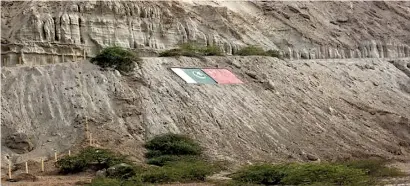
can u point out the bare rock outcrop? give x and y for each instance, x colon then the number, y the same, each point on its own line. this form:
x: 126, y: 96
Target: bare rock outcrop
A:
x: 329, y: 109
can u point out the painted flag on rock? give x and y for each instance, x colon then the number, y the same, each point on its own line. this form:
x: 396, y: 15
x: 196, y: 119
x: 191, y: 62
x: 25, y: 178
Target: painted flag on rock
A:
x: 193, y: 75
x: 222, y: 76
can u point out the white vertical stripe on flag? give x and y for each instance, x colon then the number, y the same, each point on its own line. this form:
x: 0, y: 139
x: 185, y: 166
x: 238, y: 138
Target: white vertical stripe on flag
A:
x: 183, y: 75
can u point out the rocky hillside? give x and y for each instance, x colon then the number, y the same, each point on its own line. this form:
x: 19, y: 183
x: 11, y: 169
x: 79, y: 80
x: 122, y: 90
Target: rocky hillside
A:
x: 54, y: 32
x: 299, y: 110
x: 293, y: 109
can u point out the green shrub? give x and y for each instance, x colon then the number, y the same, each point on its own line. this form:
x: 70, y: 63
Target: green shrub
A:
x: 71, y: 164
x: 251, y: 51
x: 260, y: 174
x: 298, y: 174
x: 89, y: 157
x: 375, y: 168
x: 163, y: 159
x: 102, y: 158
x: 172, y: 144
x: 301, y: 174
x: 211, y: 50
x: 192, y: 50
x: 116, y: 57
x: 171, y: 52
x: 257, y: 51
x: 180, y: 171
x: 273, y: 53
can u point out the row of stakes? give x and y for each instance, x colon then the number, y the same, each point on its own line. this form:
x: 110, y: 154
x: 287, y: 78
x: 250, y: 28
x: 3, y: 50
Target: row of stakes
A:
x: 55, y: 155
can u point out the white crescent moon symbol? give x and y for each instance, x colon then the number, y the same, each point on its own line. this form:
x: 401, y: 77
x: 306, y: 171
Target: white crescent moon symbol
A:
x: 199, y: 74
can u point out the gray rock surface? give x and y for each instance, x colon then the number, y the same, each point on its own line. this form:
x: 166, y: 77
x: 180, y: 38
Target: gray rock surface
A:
x: 329, y: 108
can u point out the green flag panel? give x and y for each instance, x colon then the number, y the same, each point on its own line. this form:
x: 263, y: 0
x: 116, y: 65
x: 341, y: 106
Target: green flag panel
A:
x: 199, y: 76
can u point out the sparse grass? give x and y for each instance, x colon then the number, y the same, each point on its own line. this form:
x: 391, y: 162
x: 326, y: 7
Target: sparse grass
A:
x: 257, y: 51
x: 192, y: 50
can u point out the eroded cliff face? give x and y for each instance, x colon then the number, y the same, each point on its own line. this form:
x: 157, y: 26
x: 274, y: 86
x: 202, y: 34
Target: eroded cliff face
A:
x: 53, y: 32
x: 322, y: 108
x: 285, y: 111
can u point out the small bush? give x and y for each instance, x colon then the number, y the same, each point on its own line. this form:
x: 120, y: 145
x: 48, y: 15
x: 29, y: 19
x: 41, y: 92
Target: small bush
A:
x: 301, y: 174
x: 260, y: 174
x: 117, y: 58
x: 164, y: 159
x: 171, y: 52
x: 71, y: 164
x: 89, y: 157
x: 172, y: 144
x: 180, y: 171
x: 251, y: 51
x: 273, y: 53
x: 192, y: 50
x: 257, y: 51
x: 211, y: 50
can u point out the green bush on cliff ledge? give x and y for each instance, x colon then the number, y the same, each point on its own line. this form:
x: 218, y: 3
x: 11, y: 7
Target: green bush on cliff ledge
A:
x: 257, y: 51
x: 117, y: 58
x: 192, y: 49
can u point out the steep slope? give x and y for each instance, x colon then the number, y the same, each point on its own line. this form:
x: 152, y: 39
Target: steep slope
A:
x: 299, y: 110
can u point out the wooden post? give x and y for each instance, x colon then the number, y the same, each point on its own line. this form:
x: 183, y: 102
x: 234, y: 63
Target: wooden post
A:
x: 69, y: 152
x: 91, y: 139
x: 42, y: 165
x: 20, y: 60
x: 55, y: 156
x: 84, y: 55
x: 63, y: 58
x: 86, y: 123
x: 9, y: 169
x: 26, y: 168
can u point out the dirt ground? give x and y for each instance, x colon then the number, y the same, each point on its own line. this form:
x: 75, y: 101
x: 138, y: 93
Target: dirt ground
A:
x: 51, y: 178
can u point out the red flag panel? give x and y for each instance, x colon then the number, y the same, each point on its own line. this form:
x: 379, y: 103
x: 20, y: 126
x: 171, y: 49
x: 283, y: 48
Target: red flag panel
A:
x: 222, y: 76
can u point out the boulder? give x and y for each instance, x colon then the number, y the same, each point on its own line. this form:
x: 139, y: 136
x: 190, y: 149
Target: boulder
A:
x: 25, y: 177
x: 19, y: 143
x: 101, y: 173
x: 121, y: 170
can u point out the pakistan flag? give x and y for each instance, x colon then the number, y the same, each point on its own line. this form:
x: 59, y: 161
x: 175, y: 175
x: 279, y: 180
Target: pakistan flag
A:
x: 193, y: 75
